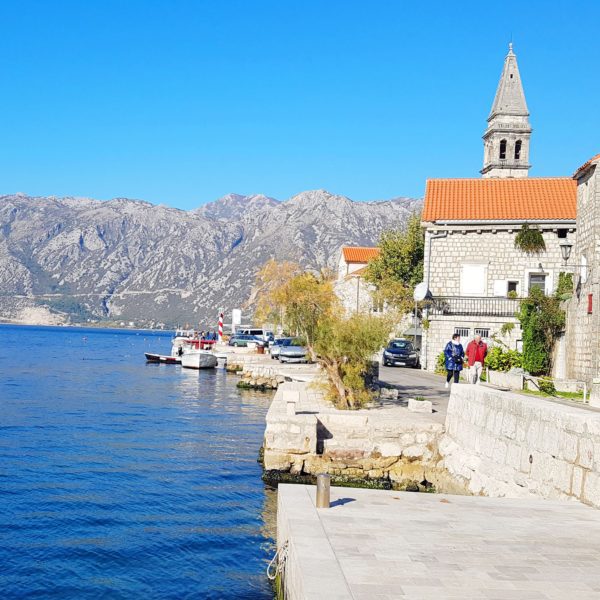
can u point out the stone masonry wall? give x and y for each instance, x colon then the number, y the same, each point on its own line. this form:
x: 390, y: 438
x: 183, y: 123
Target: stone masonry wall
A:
x: 495, y: 249
x: 505, y: 444
x: 379, y: 444
x: 354, y: 292
x: 582, y: 337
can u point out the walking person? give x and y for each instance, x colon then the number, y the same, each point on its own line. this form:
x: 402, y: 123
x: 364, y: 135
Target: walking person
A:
x: 476, y: 353
x: 455, y: 354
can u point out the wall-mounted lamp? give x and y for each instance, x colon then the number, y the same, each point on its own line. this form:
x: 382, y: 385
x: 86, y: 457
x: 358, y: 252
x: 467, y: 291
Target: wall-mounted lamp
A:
x: 565, y: 250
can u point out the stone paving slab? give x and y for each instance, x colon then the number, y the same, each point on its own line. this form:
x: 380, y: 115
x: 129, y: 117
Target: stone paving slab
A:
x: 385, y: 545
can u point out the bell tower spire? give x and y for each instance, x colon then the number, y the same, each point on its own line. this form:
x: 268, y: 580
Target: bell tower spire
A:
x: 506, y: 139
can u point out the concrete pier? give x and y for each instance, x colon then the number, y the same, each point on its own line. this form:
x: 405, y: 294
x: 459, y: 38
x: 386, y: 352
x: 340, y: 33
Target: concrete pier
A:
x: 381, y: 545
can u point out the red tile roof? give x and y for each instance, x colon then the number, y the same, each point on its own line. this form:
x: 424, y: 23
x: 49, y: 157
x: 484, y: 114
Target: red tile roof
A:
x: 586, y: 165
x: 491, y: 199
x: 359, y: 254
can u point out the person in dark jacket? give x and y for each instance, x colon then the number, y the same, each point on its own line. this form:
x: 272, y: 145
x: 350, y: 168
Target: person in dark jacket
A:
x: 455, y: 355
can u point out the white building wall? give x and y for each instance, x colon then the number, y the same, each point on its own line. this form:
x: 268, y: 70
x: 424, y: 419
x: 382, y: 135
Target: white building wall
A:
x: 461, y: 253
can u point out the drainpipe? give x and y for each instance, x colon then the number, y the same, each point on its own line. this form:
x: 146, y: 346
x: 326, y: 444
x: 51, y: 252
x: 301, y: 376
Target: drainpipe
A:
x: 434, y: 236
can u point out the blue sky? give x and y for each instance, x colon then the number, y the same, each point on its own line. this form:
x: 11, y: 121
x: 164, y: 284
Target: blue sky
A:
x: 179, y: 102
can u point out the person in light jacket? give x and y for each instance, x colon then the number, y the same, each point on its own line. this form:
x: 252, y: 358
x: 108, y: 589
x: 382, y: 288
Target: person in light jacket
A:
x: 455, y: 355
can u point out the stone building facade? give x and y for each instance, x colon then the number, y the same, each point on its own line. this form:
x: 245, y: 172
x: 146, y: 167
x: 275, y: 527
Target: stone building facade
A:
x: 355, y: 294
x: 582, y: 337
x: 473, y: 270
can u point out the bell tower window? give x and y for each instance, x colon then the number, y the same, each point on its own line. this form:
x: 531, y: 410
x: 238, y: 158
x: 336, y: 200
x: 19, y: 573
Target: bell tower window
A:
x: 517, y: 149
x: 502, y: 149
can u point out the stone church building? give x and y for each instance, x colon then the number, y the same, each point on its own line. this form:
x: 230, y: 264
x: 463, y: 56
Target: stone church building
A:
x: 472, y: 268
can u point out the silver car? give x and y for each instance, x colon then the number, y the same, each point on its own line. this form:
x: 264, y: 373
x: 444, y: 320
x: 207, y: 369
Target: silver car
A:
x: 293, y: 352
x: 276, y: 346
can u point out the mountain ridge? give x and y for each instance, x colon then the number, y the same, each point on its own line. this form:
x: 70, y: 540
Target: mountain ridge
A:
x: 120, y: 259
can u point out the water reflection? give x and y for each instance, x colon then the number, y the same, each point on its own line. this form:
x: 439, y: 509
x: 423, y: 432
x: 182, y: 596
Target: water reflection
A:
x: 121, y: 479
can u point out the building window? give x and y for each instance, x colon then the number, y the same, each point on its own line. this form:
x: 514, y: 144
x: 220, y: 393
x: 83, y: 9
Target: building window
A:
x: 473, y: 280
x: 484, y: 333
x: 512, y: 287
x: 462, y: 331
x: 502, y: 149
x: 562, y: 233
x: 517, y: 149
x: 590, y: 304
x: 537, y: 280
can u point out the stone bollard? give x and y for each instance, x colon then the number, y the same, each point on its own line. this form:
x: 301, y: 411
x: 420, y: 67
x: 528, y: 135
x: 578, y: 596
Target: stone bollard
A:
x: 420, y: 406
x: 291, y: 398
x: 323, y: 489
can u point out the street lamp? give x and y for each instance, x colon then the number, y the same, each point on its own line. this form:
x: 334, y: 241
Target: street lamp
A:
x: 565, y: 250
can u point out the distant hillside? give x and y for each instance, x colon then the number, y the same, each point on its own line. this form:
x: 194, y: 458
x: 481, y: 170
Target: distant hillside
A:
x: 78, y: 259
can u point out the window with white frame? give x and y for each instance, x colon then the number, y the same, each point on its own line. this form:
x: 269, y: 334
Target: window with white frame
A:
x: 537, y: 280
x: 462, y: 331
x: 484, y: 332
x: 473, y: 279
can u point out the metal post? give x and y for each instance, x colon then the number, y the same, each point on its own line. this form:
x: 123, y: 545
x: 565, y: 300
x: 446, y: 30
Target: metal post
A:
x: 323, y: 485
x: 415, y: 325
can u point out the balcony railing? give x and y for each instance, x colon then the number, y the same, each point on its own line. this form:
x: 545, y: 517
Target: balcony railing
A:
x: 471, y: 306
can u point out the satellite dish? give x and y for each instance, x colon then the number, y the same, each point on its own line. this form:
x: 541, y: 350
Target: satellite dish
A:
x: 421, y: 292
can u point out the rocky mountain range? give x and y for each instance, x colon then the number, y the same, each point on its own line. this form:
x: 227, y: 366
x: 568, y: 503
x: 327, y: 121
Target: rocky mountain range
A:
x: 81, y: 260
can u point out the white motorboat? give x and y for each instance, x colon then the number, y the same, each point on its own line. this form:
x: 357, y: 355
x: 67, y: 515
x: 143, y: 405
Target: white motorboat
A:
x: 199, y: 359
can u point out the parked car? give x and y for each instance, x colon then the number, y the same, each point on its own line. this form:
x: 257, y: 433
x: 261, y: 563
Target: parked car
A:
x: 276, y: 346
x: 401, y: 352
x: 292, y: 352
x: 242, y: 340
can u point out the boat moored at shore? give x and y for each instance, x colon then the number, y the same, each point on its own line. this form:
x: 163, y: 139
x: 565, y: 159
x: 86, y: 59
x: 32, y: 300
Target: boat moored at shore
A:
x: 199, y: 359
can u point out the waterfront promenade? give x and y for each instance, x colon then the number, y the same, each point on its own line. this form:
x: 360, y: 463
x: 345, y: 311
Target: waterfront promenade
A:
x: 382, y: 545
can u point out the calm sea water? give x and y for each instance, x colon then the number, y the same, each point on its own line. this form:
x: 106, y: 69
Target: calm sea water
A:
x: 121, y: 479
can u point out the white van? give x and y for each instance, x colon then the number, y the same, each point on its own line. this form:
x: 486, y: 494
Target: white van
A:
x: 263, y: 334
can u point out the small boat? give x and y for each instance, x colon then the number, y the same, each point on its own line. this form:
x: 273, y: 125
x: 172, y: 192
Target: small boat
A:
x: 199, y: 359
x: 161, y: 358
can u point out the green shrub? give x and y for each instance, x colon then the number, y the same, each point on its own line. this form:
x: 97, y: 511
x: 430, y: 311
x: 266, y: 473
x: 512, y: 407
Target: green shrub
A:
x: 542, y: 321
x: 530, y: 240
x: 546, y: 386
x: 500, y: 359
x: 440, y: 363
x: 564, y: 290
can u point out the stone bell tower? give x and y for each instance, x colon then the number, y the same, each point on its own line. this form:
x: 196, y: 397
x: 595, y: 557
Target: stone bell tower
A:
x: 506, y: 139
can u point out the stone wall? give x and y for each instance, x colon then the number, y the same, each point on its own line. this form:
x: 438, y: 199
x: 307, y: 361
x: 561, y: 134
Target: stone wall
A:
x: 312, y: 437
x: 583, y: 329
x: 355, y: 294
x: 506, y: 444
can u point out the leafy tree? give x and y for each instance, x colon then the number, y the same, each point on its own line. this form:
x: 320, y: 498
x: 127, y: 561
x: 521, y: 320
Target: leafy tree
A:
x: 399, y: 266
x: 307, y: 300
x: 542, y: 320
x: 308, y: 306
x: 266, y: 293
x: 345, y: 347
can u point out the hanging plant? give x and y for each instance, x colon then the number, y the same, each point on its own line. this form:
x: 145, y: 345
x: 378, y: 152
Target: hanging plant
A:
x: 530, y: 240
